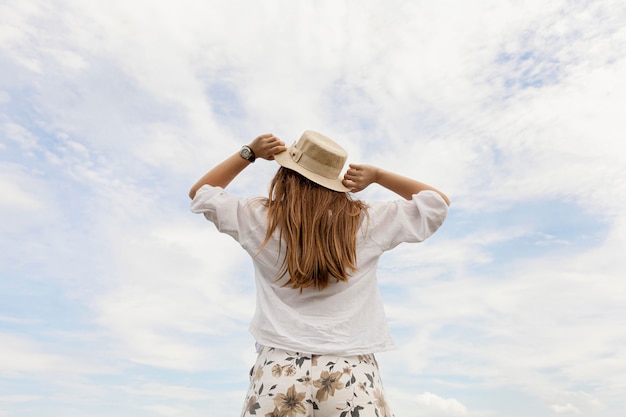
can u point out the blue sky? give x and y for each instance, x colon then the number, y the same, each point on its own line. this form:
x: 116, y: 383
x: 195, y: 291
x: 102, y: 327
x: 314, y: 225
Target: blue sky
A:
x: 116, y: 301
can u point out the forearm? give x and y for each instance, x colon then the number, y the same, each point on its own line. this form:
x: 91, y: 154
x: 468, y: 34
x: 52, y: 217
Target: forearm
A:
x: 263, y: 147
x: 221, y: 175
x: 404, y: 186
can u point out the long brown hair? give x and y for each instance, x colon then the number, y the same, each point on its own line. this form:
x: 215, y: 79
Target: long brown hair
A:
x: 319, y: 227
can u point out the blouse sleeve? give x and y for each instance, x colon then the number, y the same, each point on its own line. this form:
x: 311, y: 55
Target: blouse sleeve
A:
x: 222, y: 209
x: 407, y: 220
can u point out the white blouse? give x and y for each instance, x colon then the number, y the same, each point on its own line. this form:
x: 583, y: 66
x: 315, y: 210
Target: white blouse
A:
x: 346, y: 318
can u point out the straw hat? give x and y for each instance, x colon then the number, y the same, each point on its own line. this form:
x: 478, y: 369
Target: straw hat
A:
x: 317, y: 158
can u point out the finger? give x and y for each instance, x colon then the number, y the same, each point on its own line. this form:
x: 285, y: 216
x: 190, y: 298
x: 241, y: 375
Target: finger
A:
x: 274, y: 144
x: 263, y: 136
x: 278, y: 148
x: 350, y: 184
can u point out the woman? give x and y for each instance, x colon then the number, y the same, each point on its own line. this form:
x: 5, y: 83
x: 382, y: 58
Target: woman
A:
x: 319, y: 317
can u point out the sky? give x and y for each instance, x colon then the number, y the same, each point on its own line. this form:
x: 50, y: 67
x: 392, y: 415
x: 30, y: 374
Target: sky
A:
x: 116, y: 300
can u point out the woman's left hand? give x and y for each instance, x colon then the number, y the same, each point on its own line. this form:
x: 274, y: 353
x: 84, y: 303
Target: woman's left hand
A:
x: 266, y: 146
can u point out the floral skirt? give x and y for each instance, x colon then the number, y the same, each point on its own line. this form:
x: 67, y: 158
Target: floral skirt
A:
x: 291, y: 384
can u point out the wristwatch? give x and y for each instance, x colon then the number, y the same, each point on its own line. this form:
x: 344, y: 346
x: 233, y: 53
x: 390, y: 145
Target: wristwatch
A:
x: 247, y: 153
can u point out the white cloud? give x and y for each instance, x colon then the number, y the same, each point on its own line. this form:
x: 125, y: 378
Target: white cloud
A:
x: 22, y: 136
x: 564, y: 409
x: 575, y: 403
x: 426, y: 403
x: 173, y: 411
x: 18, y: 398
x: 441, y: 406
x: 22, y: 355
x: 170, y: 391
x: 164, y: 313
x: 16, y: 197
x: 69, y: 59
x: 545, y: 323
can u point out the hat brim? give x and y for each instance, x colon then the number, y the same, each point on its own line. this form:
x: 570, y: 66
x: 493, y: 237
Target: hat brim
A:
x: 335, y: 184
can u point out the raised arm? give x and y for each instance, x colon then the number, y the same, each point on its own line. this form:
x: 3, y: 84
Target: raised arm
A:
x: 264, y: 147
x: 358, y: 177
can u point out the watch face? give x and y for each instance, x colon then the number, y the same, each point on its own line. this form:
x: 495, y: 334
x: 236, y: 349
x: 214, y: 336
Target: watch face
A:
x: 245, y: 152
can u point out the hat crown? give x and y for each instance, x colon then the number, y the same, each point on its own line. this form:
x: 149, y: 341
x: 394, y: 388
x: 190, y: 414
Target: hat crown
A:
x: 318, y: 158
x: 319, y: 154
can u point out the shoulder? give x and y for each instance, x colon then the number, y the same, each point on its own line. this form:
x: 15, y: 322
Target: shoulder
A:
x: 217, y: 198
x: 401, y: 220
x: 208, y: 197
x: 423, y: 201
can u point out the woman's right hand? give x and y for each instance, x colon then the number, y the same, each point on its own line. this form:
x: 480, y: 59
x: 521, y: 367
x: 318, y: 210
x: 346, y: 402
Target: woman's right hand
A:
x: 266, y: 146
x: 358, y: 177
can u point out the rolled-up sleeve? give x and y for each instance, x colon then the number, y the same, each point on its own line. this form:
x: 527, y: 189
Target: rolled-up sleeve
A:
x: 407, y: 220
x: 219, y: 207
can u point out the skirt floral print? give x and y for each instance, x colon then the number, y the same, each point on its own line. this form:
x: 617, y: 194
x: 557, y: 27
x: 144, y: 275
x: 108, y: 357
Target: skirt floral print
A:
x: 291, y: 384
